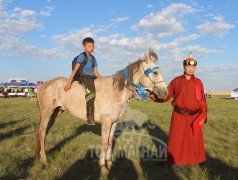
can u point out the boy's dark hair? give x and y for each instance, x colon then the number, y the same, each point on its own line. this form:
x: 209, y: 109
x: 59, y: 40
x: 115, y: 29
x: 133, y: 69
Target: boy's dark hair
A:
x: 88, y: 39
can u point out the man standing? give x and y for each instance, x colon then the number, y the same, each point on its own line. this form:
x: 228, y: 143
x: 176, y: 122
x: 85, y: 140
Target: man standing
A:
x: 184, y: 146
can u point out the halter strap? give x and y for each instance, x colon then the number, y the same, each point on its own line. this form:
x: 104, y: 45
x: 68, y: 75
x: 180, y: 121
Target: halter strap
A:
x: 150, y: 70
x: 141, y: 90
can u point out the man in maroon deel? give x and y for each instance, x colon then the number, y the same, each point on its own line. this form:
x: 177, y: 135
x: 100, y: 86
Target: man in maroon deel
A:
x: 185, y: 147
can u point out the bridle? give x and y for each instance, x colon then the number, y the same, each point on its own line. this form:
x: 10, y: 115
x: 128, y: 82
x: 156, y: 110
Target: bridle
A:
x: 150, y: 70
x: 141, y: 89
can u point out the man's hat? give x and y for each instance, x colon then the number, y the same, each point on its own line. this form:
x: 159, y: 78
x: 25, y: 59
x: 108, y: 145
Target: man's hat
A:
x: 190, y: 61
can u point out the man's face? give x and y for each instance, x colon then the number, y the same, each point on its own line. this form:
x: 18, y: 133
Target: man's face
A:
x: 89, y: 47
x: 189, y: 70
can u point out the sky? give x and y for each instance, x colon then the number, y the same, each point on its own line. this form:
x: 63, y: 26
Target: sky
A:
x: 40, y: 38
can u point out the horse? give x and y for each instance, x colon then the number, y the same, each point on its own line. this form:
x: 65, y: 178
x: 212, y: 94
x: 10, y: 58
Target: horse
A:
x: 112, y: 95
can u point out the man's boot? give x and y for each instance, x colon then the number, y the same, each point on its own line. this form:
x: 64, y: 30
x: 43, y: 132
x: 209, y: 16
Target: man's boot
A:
x: 90, y: 116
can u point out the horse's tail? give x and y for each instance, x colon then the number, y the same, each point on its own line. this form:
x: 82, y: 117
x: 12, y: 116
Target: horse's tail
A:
x: 37, y: 144
x: 37, y: 140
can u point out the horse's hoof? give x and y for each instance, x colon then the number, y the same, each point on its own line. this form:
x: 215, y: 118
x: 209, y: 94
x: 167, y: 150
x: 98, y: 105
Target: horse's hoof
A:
x: 104, y: 170
x: 109, y: 164
x: 45, y: 161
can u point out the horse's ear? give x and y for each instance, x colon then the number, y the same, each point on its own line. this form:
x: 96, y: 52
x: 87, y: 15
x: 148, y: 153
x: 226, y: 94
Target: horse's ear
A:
x: 146, y: 57
x: 151, y: 56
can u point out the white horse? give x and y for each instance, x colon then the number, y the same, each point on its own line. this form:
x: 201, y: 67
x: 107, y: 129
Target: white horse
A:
x: 112, y: 94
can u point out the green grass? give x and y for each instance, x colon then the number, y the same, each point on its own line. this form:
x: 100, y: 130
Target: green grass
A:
x: 73, y: 147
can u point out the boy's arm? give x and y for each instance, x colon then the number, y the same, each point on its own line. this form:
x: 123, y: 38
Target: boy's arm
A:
x: 68, y: 85
x: 98, y: 75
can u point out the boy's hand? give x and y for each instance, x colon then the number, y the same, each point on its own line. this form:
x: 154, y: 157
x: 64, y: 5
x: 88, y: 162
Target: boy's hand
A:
x: 67, y: 87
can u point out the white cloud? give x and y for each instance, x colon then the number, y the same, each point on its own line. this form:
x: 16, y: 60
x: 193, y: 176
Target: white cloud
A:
x: 165, y: 23
x: 47, y: 12
x: 150, y: 6
x: 121, y: 19
x: 19, y: 21
x: 16, y: 46
x: 201, y: 51
x: 73, y: 40
x: 217, y: 27
x: 125, y: 49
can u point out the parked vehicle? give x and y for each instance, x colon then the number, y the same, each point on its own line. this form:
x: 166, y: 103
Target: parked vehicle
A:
x: 234, y: 94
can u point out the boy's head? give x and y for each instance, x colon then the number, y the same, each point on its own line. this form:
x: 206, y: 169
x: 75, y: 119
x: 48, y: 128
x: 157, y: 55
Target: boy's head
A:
x: 88, y: 45
x: 88, y: 40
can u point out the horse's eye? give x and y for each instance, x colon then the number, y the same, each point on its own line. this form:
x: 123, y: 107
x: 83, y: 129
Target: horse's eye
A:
x: 155, y: 73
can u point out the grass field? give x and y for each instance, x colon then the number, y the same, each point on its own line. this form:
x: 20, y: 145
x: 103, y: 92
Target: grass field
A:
x: 72, y: 147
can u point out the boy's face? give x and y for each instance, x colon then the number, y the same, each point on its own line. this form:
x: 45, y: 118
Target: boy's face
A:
x: 88, y: 47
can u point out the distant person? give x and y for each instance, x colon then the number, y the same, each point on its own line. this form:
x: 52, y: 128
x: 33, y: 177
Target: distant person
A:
x: 35, y: 90
x: 89, y: 74
x: 26, y: 90
x: 209, y: 94
x: 184, y: 147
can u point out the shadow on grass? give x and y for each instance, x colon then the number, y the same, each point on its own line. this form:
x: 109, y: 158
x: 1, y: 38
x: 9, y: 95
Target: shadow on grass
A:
x: 86, y: 168
x: 153, y: 162
x: 153, y: 165
x: 3, y: 125
x: 12, y: 133
x: 217, y: 168
x: 83, y: 128
x: 122, y: 168
x: 26, y: 164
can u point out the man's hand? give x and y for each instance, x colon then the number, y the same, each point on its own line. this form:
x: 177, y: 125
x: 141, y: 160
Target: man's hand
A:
x: 201, y: 122
x: 153, y: 97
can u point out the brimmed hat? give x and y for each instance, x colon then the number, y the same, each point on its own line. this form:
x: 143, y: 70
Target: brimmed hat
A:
x: 190, y: 61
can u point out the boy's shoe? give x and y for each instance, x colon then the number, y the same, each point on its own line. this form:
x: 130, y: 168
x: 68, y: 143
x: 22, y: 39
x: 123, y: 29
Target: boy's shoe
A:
x: 91, y: 122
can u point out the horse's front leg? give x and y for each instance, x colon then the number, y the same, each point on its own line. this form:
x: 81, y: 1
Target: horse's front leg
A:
x: 105, y: 131
x: 109, y: 148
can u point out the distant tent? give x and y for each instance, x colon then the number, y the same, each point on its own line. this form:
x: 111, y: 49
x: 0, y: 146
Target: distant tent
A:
x: 18, y: 82
x: 32, y: 85
x: 10, y: 84
x: 23, y: 83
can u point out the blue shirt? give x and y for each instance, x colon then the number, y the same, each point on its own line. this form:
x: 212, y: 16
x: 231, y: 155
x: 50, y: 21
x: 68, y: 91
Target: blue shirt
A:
x: 88, y: 68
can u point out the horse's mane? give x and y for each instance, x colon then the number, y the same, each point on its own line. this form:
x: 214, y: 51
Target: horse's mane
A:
x: 119, y: 79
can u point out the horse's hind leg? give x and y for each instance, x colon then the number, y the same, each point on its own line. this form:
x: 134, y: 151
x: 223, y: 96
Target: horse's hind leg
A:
x: 47, y: 120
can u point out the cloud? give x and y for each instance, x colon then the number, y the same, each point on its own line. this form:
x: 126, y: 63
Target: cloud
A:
x: 201, y: 51
x: 149, y: 6
x: 47, y: 12
x: 18, y: 21
x: 16, y: 46
x: 217, y: 27
x: 73, y: 40
x: 121, y: 19
x: 165, y: 23
x: 125, y: 48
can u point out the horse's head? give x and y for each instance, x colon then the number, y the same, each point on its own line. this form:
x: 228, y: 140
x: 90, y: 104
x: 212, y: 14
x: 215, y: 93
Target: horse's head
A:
x: 152, y: 79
